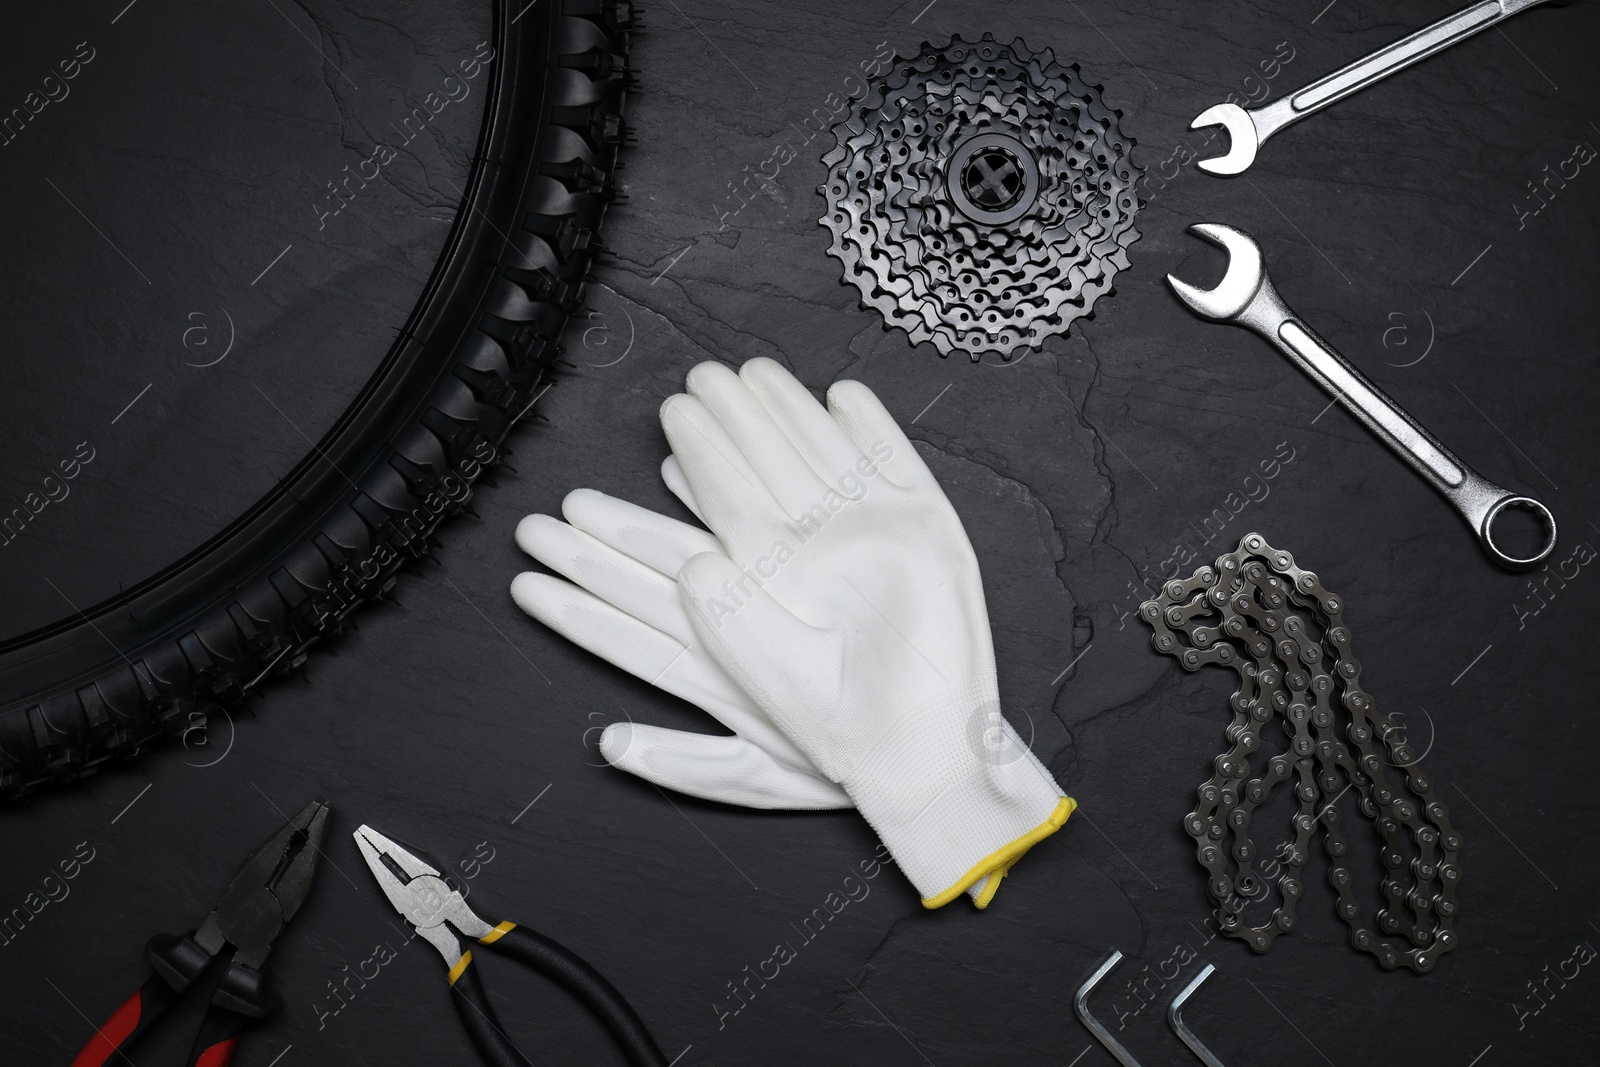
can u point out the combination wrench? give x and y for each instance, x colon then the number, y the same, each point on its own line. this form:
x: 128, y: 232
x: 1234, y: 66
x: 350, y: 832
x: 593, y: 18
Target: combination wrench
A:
x: 1246, y: 297
x: 1247, y: 130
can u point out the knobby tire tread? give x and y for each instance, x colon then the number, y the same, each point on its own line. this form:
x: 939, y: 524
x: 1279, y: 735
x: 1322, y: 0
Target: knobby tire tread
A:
x: 250, y: 604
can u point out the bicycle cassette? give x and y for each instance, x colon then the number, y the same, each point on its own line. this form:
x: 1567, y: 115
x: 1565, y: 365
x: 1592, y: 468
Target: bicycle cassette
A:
x: 981, y: 197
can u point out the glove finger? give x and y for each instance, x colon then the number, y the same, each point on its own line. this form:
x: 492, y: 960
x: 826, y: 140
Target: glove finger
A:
x: 654, y: 657
x: 783, y: 663
x: 865, y: 421
x: 672, y: 474
x: 657, y: 541
x: 613, y: 635
x: 726, y: 769
x: 615, y: 577
x: 734, y: 501
x: 832, y: 455
x: 776, y: 460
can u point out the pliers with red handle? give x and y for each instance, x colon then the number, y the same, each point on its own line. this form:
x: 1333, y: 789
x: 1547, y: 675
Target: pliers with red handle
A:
x: 263, y: 897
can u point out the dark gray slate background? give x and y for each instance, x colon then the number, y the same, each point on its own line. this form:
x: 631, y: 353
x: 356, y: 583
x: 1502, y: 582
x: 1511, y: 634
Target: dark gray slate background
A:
x: 196, y: 142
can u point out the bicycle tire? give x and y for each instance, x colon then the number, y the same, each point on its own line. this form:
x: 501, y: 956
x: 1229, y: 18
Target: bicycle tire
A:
x: 249, y: 605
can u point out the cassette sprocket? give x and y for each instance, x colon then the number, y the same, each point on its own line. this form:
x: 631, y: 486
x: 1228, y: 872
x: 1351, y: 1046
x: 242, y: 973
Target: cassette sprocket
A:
x: 981, y: 196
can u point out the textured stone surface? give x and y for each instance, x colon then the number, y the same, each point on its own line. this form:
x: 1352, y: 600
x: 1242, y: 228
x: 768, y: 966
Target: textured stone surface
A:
x: 1078, y: 469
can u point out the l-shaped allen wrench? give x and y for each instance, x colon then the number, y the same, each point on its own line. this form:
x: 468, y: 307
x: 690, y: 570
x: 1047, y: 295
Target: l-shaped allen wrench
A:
x: 1180, y: 1028
x: 1080, y: 1004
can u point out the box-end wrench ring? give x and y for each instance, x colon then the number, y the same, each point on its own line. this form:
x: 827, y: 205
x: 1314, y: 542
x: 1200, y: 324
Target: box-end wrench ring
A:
x: 1246, y: 297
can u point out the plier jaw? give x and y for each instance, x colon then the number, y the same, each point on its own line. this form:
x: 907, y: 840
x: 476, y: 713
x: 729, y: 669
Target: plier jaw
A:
x: 271, y: 885
x: 420, y: 893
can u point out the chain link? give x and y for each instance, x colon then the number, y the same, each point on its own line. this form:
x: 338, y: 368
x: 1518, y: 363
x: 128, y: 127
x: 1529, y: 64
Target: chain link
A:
x: 1240, y: 614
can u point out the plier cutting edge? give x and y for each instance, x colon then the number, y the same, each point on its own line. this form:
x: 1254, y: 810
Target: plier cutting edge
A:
x: 262, y: 898
x: 430, y: 904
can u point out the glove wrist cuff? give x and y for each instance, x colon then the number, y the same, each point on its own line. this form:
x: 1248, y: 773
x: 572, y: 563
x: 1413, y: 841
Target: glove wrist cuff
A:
x: 954, y: 805
x: 999, y: 862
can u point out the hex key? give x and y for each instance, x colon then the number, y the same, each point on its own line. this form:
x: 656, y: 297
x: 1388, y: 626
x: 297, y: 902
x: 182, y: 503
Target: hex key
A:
x: 1080, y: 1004
x: 1175, y: 1021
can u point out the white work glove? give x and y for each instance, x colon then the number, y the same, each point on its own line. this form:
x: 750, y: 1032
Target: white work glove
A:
x: 621, y: 602
x: 846, y: 601
x: 625, y: 608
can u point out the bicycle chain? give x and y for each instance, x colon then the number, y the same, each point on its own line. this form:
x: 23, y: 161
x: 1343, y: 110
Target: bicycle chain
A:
x: 999, y: 256
x: 1240, y: 614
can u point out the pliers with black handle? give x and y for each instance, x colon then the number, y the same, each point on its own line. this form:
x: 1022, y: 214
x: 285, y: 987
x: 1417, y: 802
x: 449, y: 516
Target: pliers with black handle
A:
x: 430, y: 904
x: 260, y: 901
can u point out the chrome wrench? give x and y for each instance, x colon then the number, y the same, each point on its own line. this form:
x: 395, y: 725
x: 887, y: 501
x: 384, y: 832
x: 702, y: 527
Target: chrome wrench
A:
x: 1247, y: 130
x: 1246, y: 297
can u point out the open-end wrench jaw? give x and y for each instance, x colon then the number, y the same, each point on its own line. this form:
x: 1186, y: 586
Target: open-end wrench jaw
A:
x: 1243, y: 139
x: 1246, y: 273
